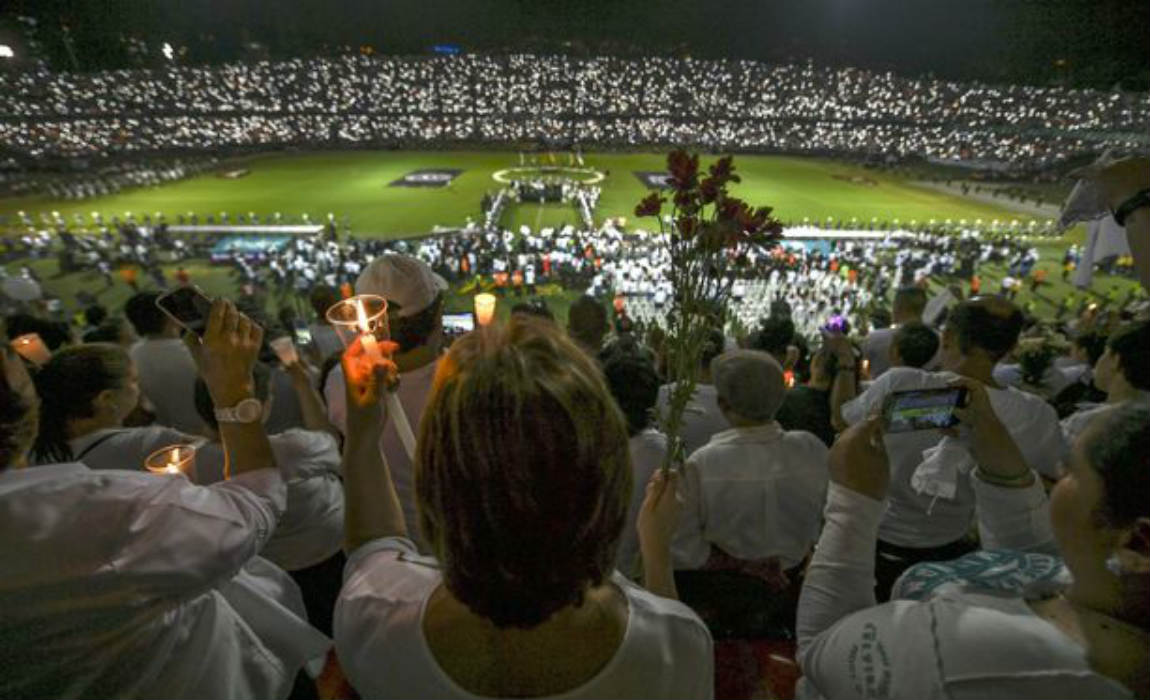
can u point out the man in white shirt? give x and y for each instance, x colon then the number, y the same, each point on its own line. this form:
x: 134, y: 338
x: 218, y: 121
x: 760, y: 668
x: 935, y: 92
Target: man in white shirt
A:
x: 702, y: 417
x: 166, y: 371
x: 909, y: 303
x: 920, y: 527
x: 414, y: 296
x: 755, y: 491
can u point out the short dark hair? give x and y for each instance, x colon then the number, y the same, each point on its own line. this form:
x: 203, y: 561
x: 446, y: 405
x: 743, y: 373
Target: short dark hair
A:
x: 916, y: 343
x: 94, y: 315
x: 587, y: 321
x: 55, y: 334
x: 715, y: 345
x: 535, y: 307
x: 145, y: 316
x: 776, y: 333
x: 988, y: 323
x: 1118, y: 449
x: 634, y: 383
x: 413, y: 331
x: 1094, y: 343
x: 322, y: 297
x: 261, y: 379
x: 1132, y: 346
x: 910, y: 299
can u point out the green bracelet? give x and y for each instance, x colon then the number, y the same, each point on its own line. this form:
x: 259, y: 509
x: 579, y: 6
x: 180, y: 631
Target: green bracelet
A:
x: 1022, y: 479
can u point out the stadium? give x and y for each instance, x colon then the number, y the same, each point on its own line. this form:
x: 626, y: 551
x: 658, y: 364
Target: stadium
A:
x: 586, y: 349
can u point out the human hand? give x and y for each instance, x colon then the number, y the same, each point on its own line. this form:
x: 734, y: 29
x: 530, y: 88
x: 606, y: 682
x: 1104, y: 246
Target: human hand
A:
x: 858, y: 459
x: 839, y: 345
x: 367, y: 377
x: 990, y: 442
x: 226, y: 353
x: 659, y: 513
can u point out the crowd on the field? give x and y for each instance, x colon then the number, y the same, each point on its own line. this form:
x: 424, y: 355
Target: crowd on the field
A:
x: 603, y: 101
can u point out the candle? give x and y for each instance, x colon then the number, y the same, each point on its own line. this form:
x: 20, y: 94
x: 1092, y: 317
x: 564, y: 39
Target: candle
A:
x: 484, y: 308
x: 285, y: 350
x: 789, y: 379
x: 865, y: 368
x: 32, y: 348
x: 370, y: 344
x: 363, y: 317
x: 173, y: 460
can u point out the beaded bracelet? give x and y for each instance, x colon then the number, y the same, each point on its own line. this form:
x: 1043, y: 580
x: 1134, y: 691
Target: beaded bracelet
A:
x: 1023, y: 479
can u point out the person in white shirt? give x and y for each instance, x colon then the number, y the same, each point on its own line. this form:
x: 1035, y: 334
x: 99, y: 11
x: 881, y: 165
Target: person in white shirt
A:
x: 125, y: 584
x: 324, y: 340
x: 414, y: 296
x: 969, y: 640
x: 1123, y: 372
x: 523, y: 487
x: 634, y: 384
x: 921, y: 526
x: 165, y: 368
x: 754, y: 491
x: 702, y: 417
x: 909, y: 303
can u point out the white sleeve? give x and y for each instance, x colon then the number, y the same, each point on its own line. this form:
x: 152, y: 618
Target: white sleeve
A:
x: 180, y: 536
x: 689, y: 548
x: 1014, y: 518
x: 840, y: 578
x: 861, y: 406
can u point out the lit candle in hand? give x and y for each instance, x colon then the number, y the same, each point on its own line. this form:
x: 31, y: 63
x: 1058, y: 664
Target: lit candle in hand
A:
x: 484, y: 308
x: 367, y: 337
x: 31, y: 347
x: 173, y: 460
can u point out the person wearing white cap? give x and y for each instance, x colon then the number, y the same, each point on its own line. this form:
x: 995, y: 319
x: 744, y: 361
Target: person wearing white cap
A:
x: 754, y: 492
x: 414, y: 296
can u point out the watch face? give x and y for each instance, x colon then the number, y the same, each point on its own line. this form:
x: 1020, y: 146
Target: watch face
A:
x: 249, y: 410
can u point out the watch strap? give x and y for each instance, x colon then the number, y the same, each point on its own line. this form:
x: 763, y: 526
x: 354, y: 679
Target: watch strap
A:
x: 1125, y: 209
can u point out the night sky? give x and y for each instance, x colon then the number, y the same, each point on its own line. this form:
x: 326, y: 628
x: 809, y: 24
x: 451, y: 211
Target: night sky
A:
x: 1078, y: 42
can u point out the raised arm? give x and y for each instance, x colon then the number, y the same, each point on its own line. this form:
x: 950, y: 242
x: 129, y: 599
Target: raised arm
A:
x: 310, y: 403
x: 372, y: 509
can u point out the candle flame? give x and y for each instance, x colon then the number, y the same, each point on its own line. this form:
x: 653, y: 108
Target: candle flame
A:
x: 361, y: 316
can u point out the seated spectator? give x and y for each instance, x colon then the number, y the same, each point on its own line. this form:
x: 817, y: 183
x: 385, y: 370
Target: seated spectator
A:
x: 166, y: 371
x: 776, y: 336
x: 587, y: 324
x: 633, y: 382
x: 414, y: 296
x: 919, y: 525
x: 808, y: 406
x: 523, y: 486
x: 1085, y: 351
x: 914, y: 344
x: 702, y: 417
x: 125, y: 584
x: 909, y: 303
x: 755, y: 491
x: 1122, y: 371
x: 975, y: 637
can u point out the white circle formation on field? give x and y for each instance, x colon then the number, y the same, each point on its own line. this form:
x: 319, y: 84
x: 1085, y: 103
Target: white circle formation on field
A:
x: 585, y: 176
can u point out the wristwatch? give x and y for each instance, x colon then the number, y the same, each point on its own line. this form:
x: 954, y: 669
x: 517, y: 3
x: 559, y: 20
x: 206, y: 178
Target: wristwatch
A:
x: 247, y: 411
x: 1125, y: 209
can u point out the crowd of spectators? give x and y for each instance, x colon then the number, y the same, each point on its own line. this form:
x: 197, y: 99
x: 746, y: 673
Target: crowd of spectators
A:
x: 604, y: 101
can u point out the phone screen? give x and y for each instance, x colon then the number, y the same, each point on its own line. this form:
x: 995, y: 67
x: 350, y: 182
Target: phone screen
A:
x: 302, y: 332
x: 459, y: 323
x: 189, y: 307
x: 922, y: 409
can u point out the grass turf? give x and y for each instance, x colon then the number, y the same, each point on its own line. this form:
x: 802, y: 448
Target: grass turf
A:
x: 356, y: 184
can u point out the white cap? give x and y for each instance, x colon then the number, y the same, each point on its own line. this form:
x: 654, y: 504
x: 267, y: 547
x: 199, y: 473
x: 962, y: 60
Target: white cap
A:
x: 408, y: 284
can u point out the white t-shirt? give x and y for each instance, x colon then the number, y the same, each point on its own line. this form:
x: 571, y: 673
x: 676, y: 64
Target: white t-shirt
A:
x: 648, y: 448
x: 666, y: 651
x: 168, y: 378
x: 414, y: 391
x: 702, y: 417
x: 915, y: 520
x: 876, y: 349
x: 1076, y: 423
x: 755, y: 493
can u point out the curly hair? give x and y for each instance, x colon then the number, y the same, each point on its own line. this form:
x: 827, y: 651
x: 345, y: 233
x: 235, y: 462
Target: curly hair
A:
x: 523, y: 475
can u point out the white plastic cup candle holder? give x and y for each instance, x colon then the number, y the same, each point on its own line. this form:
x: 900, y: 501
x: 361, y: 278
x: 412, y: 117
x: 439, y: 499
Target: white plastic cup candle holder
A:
x: 484, y: 309
x: 285, y: 350
x: 31, y: 347
x: 173, y: 460
x: 362, y: 316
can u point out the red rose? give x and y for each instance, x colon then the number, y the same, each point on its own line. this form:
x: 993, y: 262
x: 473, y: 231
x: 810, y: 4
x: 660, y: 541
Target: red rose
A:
x: 651, y: 205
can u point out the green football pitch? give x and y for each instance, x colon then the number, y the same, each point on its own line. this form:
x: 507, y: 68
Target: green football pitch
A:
x: 356, y: 184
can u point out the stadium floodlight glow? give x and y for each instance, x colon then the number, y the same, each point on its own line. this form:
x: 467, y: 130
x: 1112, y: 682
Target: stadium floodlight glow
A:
x: 6, y: 51
x: 168, y: 51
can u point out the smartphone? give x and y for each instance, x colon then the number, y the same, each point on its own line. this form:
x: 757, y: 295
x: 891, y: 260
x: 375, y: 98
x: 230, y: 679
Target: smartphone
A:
x: 302, y: 332
x: 189, y: 307
x: 459, y: 323
x: 922, y: 409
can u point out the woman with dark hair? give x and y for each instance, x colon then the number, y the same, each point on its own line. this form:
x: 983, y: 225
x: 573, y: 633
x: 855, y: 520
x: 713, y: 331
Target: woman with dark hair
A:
x: 988, y: 630
x: 523, y: 479
x: 1122, y: 371
x: 124, y: 583
x: 86, y: 392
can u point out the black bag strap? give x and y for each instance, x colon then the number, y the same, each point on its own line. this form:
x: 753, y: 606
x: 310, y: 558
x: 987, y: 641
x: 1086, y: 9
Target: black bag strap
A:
x: 96, y: 443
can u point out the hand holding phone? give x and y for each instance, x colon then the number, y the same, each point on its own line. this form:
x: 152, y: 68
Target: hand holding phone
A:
x: 187, y: 306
